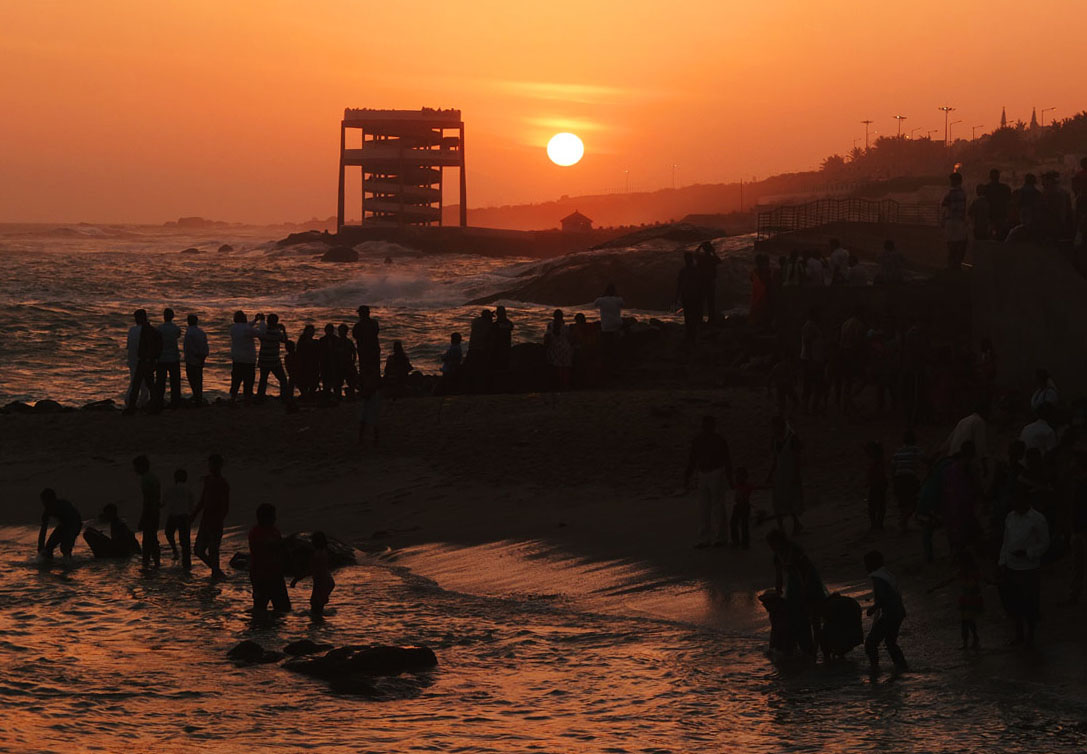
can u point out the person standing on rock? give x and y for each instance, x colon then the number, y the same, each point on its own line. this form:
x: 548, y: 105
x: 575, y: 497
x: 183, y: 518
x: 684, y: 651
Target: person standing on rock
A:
x: 132, y: 350
x: 367, y: 344
x: 689, y: 295
x: 267, y: 562
x: 271, y: 334
x: 321, y: 573
x: 150, y: 511
x: 196, y: 353
x: 610, y: 306
x: 147, y: 354
x: 330, y: 367
x: 707, y: 275
x: 213, y: 507
x: 243, y: 356
x: 477, y: 362
x: 69, y: 522
x: 501, y: 347
x: 710, y: 458
x: 169, y: 362
x: 346, y: 354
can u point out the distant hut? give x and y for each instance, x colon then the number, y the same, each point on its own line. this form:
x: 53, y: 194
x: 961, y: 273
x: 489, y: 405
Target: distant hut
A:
x: 576, y: 223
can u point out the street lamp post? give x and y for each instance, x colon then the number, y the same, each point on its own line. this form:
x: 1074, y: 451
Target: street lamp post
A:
x: 866, y: 123
x: 900, y: 118
x: 947, y: 112
x: 1044, y: 111
x: 913, y: 131
x: 928, y: 134
x: 949, y: 127
x: 673, y: 176
x: 974, y: 131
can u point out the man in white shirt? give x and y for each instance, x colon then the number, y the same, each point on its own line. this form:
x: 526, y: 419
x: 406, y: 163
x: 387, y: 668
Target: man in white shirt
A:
x: 1039, y: 434
x: 1026, y: 539
x: 169, y: 363
x: 243, y: 356
x: 972, y: 428
x: 196, y: 353
x: 610, y: 307
x: 839, y: 262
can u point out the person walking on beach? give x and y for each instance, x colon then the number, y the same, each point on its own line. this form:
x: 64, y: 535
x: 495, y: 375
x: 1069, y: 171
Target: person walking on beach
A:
x: 267, y: 562
x: 710, y: 457
x: 560, y: 351
x: 178, y: 502
x: 196, y: 353
x: 69, y: 522
x: 150, y: 507
x: 953, y: 209
x: 708, y: 262
x: 169, y: 361
x: 610, y: 306
x: 689, y: 295
x: 367, y: 344
x: 147, y: 354
x: 243, y: 356
x: 784, y: 474
x: 889, y: 610
x: 212, y: 508
x: 1026, y: 539
x: 271, y: 335
x: 321, y: 573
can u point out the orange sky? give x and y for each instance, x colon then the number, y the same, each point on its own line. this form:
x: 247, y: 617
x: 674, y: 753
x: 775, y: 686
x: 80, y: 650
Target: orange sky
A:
x: 129, y: 110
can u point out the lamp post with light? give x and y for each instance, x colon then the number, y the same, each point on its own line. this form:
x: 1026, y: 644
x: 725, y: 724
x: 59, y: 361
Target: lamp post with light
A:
x: 947, y: 113
x: 900, y: 118
x: 974, y: 131
x: 1044, y: 111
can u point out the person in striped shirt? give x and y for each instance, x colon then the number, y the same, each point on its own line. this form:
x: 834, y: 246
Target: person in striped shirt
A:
x: 906, y: 466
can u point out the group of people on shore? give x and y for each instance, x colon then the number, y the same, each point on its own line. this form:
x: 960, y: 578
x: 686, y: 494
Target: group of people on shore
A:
x: 175, y: 510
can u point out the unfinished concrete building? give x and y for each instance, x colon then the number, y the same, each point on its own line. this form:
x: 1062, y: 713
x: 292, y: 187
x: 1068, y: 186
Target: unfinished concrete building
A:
x: 403, y: 155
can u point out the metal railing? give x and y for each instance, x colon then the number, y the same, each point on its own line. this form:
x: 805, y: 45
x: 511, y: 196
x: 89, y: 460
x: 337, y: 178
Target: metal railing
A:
x: 820, y: 212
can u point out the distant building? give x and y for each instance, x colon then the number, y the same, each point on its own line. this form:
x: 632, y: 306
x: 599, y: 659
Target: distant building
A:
x: 576, y: 223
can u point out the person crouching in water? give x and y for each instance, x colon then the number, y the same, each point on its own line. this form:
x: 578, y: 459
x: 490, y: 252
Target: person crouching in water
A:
x: 889, y: 611
x: 267, y: 558
x: 321, y: 573
x: 121, y: 542
x: 69, y: 523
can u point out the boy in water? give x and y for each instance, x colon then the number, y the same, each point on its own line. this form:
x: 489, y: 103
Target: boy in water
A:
x: 214, y: 504
x: 266, y: 562
x: 889, y: 611
x: 178, y: 501
x: 69, y: 522
x: 151, y: 498
x: 321, y: 572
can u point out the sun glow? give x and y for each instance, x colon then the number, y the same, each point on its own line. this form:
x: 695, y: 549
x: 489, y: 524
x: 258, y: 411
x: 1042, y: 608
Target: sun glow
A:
x: 565, y: 149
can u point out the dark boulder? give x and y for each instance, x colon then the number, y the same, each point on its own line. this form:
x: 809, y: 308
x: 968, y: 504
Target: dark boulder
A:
x: 18, y: 407
x: 305, y: 647
x: 225, y: 248
x: 250, y: 653
x: 306, y: 236
x: 300, y: 549
x: 842, y: 626
x: 340, y: 254
x: 103, y: 405
x: 48, y: 407
x: 190, y: 250
x: 348, y: 662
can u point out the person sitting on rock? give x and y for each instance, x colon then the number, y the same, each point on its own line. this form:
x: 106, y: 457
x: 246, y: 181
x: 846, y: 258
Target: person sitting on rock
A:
x: 69, y: 522
x: 321, y: 573
x: 121, y: 542
x: 267, y: 559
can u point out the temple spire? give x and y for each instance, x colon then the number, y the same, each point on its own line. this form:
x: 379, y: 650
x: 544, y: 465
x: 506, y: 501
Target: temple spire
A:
x: 1003, y: 117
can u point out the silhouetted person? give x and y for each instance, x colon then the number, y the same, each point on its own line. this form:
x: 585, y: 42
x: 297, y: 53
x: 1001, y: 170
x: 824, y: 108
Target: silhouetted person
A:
x: 132, y: 351
x: 953, y: 210
x: 321, y: 572
x: 370, y: 391
x: 150, y: 507
x: 585, y: 339
x: 119, y: 544
x: 478, y: 361
x: 178, y: 502
x: 196, y: 353
x: 69, y: 522
x: 212, y: 508
x: 1026, y: 539
x: 813, y: 364
x: 610, y: 306
x: 981, y: 215
x: 1056, y: 221
x: 243, y: 357
x: 707, y: 276
x: 839, y: 262
x: 788, y: 490
x: 1028, y: 203
x: 889, y: 611
x: 169, y: 361
x: 272, y: 335
x: 148, y: 350
x: 330, y: 367
x: 798, y: 580
x: 501, y: 346
x: 309, y: 363
x: 267, y: 562
x: 559, y: 351
x: 397, y: 370
x: 367, y: 344
x: 689, y: 295
x: 709, y: 456
x: 740, y: 522
x: 999, y: 196
x: 451, y: 366
x: 345, y: 361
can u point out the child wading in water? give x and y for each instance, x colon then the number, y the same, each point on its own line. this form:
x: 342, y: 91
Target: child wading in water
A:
x: 889, y: 611
x: 971, y: 602
x: 321, y: 572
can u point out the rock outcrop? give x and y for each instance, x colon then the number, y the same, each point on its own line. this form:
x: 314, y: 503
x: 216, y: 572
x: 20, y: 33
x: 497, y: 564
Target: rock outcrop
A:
x: 340, y: 254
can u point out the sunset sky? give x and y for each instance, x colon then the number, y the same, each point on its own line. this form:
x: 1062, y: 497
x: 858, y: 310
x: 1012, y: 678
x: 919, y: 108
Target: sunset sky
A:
x: 137, y: 111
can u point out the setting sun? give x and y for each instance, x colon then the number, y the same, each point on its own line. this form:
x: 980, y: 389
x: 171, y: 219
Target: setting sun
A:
x: 565, y: 149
